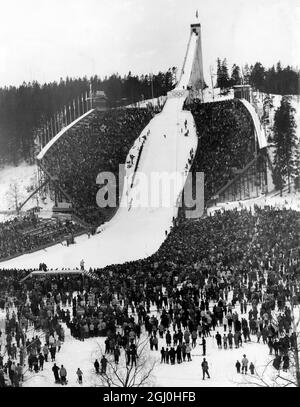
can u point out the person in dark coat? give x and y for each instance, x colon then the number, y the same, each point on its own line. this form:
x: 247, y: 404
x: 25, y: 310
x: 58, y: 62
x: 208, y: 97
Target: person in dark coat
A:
x: 133, y: 356
x: 251, y: 368
x: 103, y: 363
x: 238, y: 366
x: 52, y: 353
x: 178, y: 354
x: 155, y: 342
x: 117, y: 354
x: 151, y: 342
x: 2, y: 379
x: 286, y: 363
x: 230, y: 339
x: 35, y: 363
x: 172, y: 355
x: 63, y: 375
x: 167, y: 355
x: 203, y: 346
x: 45, y: 351
x: 55, y: 370
x: 41, y: 361
x: 163, y: 355
x: 168, y: 338
x: 219, y: 340
x: 96, y: 366
x: 204, y: 366
x: 79, y: 375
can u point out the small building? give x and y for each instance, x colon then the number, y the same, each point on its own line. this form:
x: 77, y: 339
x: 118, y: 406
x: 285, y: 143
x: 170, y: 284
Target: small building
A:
x: 242, y: 92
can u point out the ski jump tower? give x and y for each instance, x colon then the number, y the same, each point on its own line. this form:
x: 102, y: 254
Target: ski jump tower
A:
x: 195, y: 82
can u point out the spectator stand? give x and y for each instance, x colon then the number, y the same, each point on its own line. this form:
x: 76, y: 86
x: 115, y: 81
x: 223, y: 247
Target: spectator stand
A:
x: 100, y: 142
x: 229, y: 135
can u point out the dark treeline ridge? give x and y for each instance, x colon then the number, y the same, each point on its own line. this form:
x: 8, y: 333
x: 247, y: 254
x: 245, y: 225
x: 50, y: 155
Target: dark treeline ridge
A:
x: 277, y: 79
x: 25, y: 108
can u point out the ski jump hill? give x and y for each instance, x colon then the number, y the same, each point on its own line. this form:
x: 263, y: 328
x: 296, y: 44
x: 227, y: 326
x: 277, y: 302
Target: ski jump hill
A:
x: 143, y: 219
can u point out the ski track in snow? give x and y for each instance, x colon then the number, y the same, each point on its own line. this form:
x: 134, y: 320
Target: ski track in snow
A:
x: 137, y: 231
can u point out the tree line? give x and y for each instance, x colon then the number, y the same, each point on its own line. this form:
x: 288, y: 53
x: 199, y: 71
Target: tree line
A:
x: 277, y: 80
x: 286, y: 147
x: 26, y: 108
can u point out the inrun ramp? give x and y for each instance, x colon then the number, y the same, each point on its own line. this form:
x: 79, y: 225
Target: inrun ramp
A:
x: 145, y: 215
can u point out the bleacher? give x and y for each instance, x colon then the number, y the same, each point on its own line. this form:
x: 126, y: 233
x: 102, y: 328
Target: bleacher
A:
x: 24, y: 235
x: 97, y: 143
x: 226, y: 143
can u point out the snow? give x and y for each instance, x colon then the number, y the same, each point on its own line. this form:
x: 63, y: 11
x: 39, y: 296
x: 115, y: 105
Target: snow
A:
x: 24, y: 175
x: 74, y: 354
x: 146, y: 211
x: 287, y: 200
x: 82, y: 354
x: 214, y: 95
x: 260, y: 134
x: 159, y: 101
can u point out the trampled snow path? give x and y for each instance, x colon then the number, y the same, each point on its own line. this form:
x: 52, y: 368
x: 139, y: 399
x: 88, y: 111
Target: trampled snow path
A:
x: 140, y: 225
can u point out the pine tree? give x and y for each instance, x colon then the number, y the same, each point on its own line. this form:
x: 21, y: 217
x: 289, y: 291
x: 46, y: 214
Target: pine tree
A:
x: 257, y: 76
x: 225, y: 76
x: 235, y: 75
x: 285, y: 144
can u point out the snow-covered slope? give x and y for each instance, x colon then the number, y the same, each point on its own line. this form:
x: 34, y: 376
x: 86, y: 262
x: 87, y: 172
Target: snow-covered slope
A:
x: 146, y: 212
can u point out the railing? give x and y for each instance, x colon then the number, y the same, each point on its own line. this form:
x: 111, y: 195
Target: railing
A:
x: 217, y: 197
x: 61, y: 119
x: 60, y: 134
x: 42, y: 247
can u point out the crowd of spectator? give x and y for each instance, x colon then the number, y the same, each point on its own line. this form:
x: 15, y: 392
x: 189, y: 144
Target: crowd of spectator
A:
x: 226, y: 141
x: 97, y: 145
x: 102, y: 141
x: 23, y: 234
x: 223, y: 275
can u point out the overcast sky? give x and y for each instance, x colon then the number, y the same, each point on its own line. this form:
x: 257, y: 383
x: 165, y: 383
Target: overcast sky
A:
x: 47, y: 39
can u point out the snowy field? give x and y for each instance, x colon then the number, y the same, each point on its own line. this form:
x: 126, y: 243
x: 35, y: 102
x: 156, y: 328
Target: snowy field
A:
x: 76, y: 354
